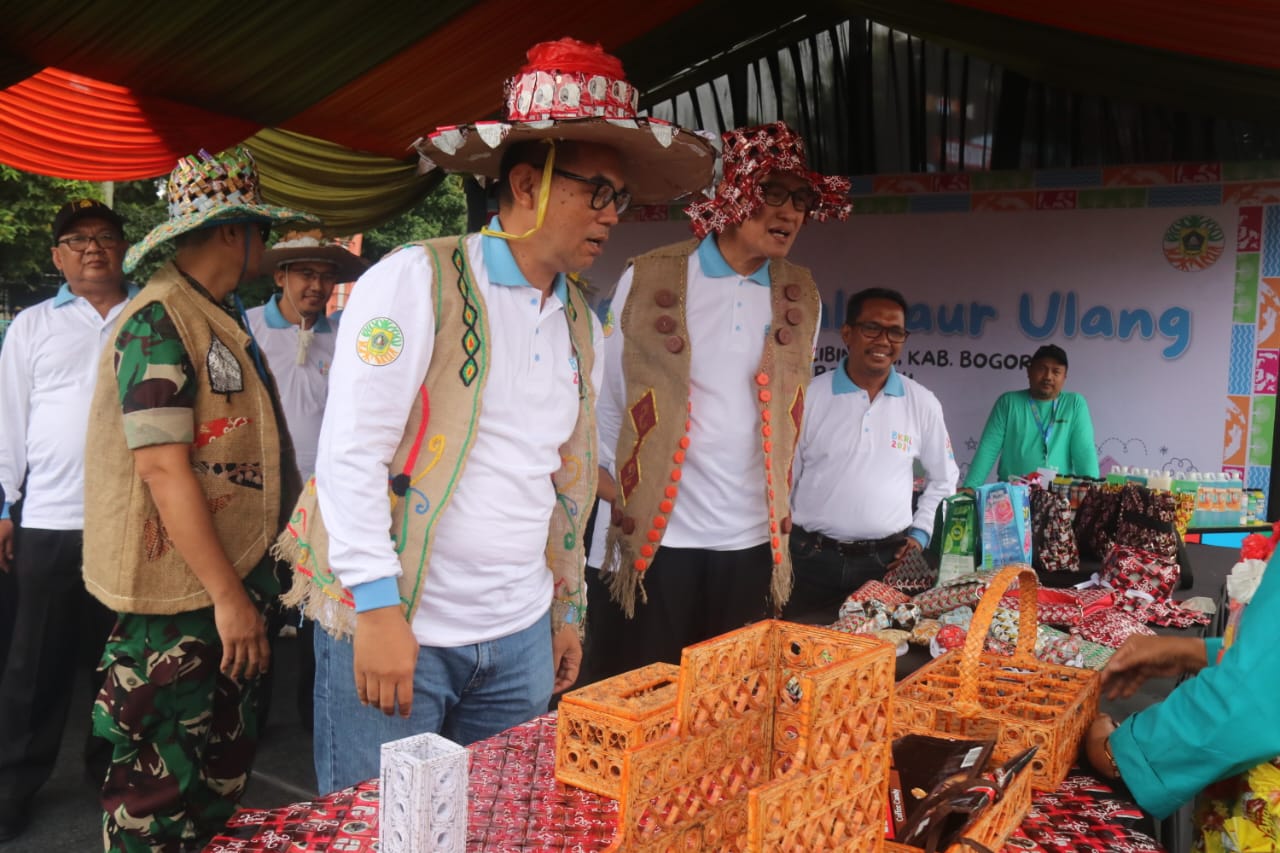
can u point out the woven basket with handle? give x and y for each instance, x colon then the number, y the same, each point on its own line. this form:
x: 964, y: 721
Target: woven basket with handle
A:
x: 1019, y: 700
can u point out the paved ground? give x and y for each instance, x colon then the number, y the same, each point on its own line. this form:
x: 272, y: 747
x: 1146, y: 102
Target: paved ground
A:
x: 67, y: 819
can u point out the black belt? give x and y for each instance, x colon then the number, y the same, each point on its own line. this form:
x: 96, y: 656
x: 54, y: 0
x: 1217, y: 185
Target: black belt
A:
x: 857, y: 548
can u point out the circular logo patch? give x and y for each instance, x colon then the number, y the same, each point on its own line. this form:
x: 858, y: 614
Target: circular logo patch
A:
x: 379, y: 342
x: 1193, y: 243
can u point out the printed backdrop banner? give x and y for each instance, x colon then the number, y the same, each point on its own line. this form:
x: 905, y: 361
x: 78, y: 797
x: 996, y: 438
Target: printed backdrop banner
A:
x: 1161, y: 283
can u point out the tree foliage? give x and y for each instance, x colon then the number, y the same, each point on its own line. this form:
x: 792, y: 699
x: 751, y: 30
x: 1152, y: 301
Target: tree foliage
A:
x: 441, y: 213
x: 27, y: 207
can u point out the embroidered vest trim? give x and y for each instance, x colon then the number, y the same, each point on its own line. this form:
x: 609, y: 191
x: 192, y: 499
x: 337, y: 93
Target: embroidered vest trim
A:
x: 654, y: 437
x: 428, y: 464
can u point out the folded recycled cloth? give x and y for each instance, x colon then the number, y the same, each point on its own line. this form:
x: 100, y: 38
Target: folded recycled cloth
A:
x: 959, y: 592
x: 877, y: 591
x: 1110, y: 628
x: 1066, y: 607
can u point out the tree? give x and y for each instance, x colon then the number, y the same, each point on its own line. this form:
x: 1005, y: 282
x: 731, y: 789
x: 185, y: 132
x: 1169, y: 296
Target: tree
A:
x: 28, y: 204
x: 442, y: 212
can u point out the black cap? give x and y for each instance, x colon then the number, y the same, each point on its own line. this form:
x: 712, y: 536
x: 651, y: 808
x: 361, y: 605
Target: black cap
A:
x: 74, y: 211
x: 1052, y: 351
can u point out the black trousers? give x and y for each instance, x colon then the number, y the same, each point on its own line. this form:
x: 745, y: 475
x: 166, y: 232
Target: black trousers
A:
x: 693, y: 595
x: 58, y: 627
x: 822, y: 578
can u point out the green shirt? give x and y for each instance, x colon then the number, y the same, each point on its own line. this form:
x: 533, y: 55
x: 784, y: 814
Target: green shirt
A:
x: 1016, y: 432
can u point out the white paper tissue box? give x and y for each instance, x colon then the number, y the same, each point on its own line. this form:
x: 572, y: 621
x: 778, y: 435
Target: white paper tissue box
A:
x: 423, y: 796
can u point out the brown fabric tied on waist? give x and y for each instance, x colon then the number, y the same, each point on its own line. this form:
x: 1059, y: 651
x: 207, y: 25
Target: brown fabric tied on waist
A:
x: 857, y: 548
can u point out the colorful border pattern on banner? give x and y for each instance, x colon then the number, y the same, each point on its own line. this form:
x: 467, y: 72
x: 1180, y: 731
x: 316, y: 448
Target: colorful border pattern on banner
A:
x: 1252, y: 188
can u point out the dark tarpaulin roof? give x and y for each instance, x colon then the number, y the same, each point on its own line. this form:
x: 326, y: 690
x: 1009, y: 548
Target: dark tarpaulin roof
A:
x: 101, y: 90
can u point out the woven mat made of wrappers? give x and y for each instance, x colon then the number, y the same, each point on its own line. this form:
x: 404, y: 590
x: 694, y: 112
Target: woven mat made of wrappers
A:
x: 516, y: 806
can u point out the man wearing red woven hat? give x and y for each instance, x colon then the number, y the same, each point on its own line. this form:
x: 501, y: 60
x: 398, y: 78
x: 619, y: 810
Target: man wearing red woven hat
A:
x: 461, y: 418
x: 704, y: 391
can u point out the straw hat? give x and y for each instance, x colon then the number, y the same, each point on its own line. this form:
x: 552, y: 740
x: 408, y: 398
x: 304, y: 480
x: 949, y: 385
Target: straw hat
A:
x: 205, y: 190
x: 296, y: 248
x: 751, y: 153
x: 573, y: 91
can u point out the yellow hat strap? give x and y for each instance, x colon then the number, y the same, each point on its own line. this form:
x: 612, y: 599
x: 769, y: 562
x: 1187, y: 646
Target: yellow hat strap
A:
x: 544, y: 196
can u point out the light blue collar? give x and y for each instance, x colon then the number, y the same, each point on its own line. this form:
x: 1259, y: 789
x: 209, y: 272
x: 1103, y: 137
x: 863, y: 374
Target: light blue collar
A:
x: 842, y: 384
x: 715, y: 266
x: 503, y: 269
x: 276, y: 319
x: 65, y: 296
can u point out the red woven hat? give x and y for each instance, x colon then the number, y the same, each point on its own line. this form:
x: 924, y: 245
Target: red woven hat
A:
x: 573, y: 91
x: 751, y: 153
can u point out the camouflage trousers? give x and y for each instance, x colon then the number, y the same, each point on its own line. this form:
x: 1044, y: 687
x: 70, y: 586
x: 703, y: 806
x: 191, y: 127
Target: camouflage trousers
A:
x: 184, y: 735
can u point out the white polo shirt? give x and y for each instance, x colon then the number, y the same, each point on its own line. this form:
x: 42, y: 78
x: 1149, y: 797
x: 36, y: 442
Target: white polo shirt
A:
x: 722, y: 497
x: 854, y: 466
x: 488, y: 574
x: 303, y: 387
x: 48, y: 370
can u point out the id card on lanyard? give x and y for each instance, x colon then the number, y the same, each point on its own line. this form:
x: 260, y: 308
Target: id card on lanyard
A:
x: 1046, y: 429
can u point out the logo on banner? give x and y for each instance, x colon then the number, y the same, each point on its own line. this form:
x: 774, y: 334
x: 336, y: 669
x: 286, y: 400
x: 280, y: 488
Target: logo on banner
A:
x: 1193, y: 243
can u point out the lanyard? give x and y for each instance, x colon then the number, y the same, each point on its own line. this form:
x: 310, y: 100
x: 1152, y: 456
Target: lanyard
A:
x: 1046, y: 429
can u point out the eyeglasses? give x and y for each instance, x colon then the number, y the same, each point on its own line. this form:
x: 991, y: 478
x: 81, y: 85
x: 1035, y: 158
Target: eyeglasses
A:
x: 871, y: 331
x: 803, y: 199
x: 604, y: 194
x: 79, y: 243
x: 264, y: 228
x: 312, y: 276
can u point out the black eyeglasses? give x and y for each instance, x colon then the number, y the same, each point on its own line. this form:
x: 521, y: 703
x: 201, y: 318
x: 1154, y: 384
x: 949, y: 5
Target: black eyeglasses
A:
x: 79, y: 243
x: 871, y: 331
x: 604, y: 194
x: 803, y: 199
x: 264, y: 228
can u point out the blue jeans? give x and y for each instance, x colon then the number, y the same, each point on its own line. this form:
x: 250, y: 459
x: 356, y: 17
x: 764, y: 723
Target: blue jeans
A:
x: 466, y: 694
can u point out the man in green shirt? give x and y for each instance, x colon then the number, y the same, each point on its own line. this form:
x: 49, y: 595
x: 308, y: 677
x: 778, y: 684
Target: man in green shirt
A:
x: 1042, y: 427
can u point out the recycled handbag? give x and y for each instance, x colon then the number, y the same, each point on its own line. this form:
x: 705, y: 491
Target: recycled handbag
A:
x: 1150, y: 574
x: 1147, y: 520
x: 1095, y: 521
x: 1053, y: 538
x: 913, y: 575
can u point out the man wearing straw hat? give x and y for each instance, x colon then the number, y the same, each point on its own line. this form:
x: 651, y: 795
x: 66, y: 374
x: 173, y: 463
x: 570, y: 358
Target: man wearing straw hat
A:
x: 705, y: 378
x: 465, y: 619
x: 189, y: 475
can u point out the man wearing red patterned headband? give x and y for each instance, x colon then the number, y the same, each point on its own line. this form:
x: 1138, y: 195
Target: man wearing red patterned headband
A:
x: 703, y: 396
x: 464, y: 620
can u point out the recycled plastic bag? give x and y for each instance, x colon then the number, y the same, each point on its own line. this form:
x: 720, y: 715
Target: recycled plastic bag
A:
x: 956, y: 531
x: 1004, y: 510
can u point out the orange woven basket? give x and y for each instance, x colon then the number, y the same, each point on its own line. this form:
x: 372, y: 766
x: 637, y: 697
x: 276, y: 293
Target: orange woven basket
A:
x: 1019, y: 700
x: 598, y: 723
x: 781, y: 743
x: 996, y: 824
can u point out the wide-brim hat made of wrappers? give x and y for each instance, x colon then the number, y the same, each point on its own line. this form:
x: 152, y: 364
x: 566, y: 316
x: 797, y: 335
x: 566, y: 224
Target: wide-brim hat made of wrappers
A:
x: 206, y: 190
x: 297, y: 248
x: 573, y: 91
x: 749, y: 155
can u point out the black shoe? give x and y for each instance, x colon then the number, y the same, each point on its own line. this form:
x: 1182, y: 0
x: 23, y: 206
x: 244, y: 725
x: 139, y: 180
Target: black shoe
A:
x: 11, y: 826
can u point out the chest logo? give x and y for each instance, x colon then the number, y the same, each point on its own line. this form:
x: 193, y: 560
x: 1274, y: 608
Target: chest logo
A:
x: 900, y: 441
x: 380, y: 341
x: 224, y: 371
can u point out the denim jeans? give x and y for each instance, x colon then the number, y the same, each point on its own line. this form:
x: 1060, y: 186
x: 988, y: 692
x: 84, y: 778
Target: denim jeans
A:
x: 466, y: 693
x: 823, y: 579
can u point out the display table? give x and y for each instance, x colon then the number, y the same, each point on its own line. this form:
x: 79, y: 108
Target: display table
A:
x: 516, y: 806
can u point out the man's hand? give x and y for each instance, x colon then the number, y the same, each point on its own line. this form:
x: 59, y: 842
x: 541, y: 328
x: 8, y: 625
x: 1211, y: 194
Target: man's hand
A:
x: 386, y: 653
x: 6, y: 545
x: 1143, y: 657
x: 900, y: 556
x: 566, y: 655
x: 243, y: 632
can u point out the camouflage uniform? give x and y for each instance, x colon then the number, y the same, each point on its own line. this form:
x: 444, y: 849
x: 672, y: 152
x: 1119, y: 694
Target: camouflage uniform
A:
x: 184, y: 735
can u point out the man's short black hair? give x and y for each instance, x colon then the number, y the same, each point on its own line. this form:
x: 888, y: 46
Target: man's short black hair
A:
x: 863, y: 296
x: 1051, y: 351
x: 533, y: 153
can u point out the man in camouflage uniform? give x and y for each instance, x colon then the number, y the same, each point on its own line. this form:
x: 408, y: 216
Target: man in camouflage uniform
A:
x: 191, y: 475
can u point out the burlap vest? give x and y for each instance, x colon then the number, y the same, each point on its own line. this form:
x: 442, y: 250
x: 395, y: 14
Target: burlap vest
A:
x: 241, y: 457
x: 429, y: 462
x: 653, y: 440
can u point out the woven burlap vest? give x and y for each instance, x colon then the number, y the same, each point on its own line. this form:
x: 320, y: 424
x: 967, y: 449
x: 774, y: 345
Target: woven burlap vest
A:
x: 240, y: 456
x: 429, y: 462
x: 653, y: 439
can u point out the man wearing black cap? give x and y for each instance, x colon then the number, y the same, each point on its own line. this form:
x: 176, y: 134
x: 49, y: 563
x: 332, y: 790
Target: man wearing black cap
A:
x: 1042, y: 427
x: 47, y: 375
